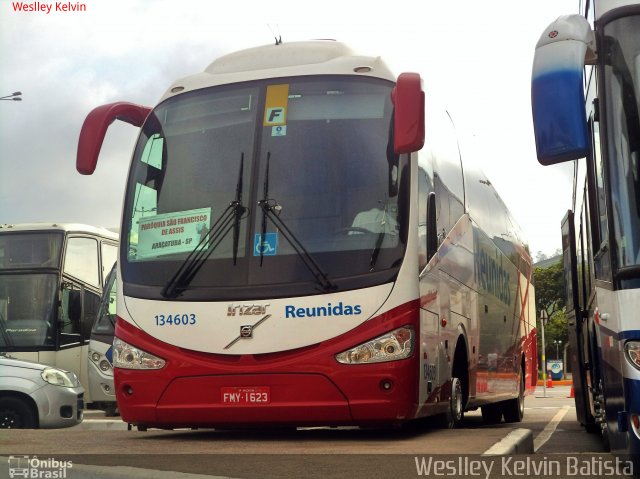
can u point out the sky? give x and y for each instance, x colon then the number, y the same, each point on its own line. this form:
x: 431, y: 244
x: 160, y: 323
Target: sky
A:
x: 474, y: 57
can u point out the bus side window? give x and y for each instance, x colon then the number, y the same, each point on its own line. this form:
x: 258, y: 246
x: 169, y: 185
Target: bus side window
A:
x: 109, y: 257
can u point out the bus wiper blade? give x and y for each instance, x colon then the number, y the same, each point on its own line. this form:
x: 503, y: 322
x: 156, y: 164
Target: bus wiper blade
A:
x: 228, y: 220
x: 376, y: 250
x: 239, y: 211
x: 271, y: 209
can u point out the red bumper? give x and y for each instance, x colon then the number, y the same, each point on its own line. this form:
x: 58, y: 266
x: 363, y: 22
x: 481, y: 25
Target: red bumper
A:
x: 306, y: 386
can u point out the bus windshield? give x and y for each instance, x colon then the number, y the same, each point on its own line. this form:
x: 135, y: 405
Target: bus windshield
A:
x: 28, y: 304
x: 30, y: 250
x: 317, y: 150
x: 622, y: 84
x: 106, y: 319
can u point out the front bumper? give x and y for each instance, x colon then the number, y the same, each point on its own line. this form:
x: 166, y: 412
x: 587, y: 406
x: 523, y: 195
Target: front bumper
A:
x: 307, y: 387
x: 59, y: 406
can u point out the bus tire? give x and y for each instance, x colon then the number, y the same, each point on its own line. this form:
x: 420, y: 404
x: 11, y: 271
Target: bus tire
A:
x: 16, y: 414
x: 455, y: 411
x: 513, y: 409
x: 491, y: 413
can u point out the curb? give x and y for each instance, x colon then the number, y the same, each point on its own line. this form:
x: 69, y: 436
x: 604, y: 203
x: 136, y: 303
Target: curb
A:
x: 518, y: 441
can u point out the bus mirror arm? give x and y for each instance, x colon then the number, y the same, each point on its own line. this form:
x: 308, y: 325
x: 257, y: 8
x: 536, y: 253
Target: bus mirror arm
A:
x: 95, y: 127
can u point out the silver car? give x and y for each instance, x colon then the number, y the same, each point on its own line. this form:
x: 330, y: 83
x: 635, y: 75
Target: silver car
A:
x: 34, y: 395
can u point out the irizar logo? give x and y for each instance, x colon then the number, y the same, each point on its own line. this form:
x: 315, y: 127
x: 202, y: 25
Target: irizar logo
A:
x: 246, y: 309
x: 329, y: 310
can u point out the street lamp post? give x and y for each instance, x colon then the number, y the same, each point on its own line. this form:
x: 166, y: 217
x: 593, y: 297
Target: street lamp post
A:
x: 543, y: 319
x: 557, y: 343
x: 15, y: 96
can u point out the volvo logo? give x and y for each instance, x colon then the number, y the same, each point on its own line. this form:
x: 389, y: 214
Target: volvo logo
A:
x: 246, y: 331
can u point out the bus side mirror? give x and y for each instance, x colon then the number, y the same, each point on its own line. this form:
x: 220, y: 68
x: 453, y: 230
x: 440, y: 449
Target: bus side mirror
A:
x: 95, y: 127
x: 557, y: 92
x: 408, y: 101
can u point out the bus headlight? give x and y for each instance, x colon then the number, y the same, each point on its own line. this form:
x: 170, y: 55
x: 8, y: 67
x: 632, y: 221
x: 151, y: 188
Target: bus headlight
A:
x: 632, y: 350
x: 129, y: 357
x: 395, y: 345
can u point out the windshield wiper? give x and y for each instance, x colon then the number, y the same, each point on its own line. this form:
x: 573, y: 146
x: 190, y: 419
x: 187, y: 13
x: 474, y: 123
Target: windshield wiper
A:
x: 376, y: 250
x: 228, y: 220
x: 271, y: 209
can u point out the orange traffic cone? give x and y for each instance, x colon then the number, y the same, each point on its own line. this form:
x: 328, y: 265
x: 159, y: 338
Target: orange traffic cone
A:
x: 549, y: 382
x: 572, y: 394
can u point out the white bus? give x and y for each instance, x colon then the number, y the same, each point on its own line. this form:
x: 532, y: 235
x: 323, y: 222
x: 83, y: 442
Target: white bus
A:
x: 51, y: 279
x: 291, y: 254
x: 586, y: 104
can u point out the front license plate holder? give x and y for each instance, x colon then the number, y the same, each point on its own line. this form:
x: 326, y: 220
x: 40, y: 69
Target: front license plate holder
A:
x: 245, y: 395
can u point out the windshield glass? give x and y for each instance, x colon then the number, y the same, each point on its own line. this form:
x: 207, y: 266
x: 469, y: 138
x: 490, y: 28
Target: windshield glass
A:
x: 30, y: 250
x: 27, y: 310
x: 106, y: 319
x: 317, y: 149
x: 622, y: 82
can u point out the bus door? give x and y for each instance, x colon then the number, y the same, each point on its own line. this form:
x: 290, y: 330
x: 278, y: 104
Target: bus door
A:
x: 79, y: 303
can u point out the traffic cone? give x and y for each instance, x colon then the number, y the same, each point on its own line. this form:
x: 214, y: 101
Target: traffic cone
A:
x: 572, y: 394
x: 549, y: 382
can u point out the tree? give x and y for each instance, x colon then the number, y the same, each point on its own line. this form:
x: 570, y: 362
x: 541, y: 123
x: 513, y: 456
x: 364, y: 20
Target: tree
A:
x: 550, y: 297
x: 549, y: 285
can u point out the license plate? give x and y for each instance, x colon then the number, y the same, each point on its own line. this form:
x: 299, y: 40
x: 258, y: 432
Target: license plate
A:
x: 246, y: 395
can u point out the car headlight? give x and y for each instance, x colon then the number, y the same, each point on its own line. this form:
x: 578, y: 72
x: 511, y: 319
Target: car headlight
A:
x: 58, y: 377
x: 129, y: 357
x: 395, y: 345
x: 632, y: 350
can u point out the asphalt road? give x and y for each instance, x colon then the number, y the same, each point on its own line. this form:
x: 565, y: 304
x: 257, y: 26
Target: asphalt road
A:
x: 111, y: 451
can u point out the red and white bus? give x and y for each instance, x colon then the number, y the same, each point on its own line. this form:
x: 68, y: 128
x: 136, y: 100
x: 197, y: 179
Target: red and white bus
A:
x: 301, y: 245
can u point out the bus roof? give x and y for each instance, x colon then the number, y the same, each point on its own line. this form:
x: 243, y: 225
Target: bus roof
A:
x: 317, y: 57
x: 64, y: 227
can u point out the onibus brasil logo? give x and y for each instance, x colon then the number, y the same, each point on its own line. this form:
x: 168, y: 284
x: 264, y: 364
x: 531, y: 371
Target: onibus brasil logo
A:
x: 32, y: 467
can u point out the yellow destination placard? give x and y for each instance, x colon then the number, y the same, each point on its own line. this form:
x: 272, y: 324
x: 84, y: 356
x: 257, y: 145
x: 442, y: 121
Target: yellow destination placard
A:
x: 275, y: 108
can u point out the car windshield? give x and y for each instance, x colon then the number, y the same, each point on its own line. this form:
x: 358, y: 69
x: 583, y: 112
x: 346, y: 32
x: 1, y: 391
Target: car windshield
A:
x: 315, y: 150
x: 621, y: 54
x: 28, y: 306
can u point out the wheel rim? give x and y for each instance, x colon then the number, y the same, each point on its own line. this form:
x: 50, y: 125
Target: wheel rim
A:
x: 9, y: 420
x: 456, y: 400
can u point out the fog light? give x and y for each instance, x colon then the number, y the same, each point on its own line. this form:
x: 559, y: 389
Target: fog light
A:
x: 386, y: 385
x: 104, y: 365
x: 95, y: 357
x: 106, y: 388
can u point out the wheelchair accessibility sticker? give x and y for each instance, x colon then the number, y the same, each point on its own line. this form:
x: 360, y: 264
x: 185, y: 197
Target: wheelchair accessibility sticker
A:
x: 268, y: 247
